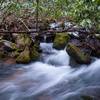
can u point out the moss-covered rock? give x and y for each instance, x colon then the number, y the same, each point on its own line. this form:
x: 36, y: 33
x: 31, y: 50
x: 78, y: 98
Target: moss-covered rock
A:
x: 36, y: 45
x: 29, y: 54
x: 77, y: 54
x: 24, y: 56
x: 34, y: 54
x: 35, y: 51
x: 23, y: 40
x: 60, y: 41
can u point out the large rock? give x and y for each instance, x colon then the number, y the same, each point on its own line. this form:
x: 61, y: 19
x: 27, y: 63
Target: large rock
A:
x: 34, y: 54
x: 23, y: 40
x: 77, y: 54
x: 29, y: 54
x: 22, y: 50
x: 60, y: 41
x: 24, y: 56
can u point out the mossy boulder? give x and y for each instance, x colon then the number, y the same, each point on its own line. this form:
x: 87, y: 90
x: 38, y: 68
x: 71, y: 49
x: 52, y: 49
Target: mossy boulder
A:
x: 60, y: 41
x: 29, y: 54
x: 23, y: 40
x: 24, y: 56
x: 77, y: 54
x: 34, y: 54
x: 35, y: 50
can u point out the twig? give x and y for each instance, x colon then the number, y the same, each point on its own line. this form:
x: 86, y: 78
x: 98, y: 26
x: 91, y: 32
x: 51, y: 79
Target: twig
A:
x: 24, y: 24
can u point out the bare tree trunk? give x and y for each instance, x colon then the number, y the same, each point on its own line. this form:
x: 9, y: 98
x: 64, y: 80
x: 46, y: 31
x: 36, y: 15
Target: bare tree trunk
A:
x: 37, y: 15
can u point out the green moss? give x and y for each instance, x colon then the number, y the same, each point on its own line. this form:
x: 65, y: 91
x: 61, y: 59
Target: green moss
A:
x: 28, y: 55
x: 14, y: 46
x: 24, y: 56
x: 77, y: 54
x: 60, y: 41
x: 34, y: 54
x: 23, y: 40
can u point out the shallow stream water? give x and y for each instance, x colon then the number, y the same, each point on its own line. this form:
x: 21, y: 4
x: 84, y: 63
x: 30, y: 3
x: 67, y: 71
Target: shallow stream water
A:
x: 51, y: 78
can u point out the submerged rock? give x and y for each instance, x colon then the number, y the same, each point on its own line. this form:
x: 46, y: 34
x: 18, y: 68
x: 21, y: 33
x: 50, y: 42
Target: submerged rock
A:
x: 60, y: 41
x: 77, y: 54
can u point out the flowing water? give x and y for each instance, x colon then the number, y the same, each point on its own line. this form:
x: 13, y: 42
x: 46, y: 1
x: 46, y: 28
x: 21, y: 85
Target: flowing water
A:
x: 51, y: 78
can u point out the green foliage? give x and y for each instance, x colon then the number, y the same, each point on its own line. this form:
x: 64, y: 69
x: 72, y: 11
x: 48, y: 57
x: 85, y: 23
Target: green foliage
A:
x: 84, y: 12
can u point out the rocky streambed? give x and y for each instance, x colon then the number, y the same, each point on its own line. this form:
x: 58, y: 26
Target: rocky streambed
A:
x: 81, y: 47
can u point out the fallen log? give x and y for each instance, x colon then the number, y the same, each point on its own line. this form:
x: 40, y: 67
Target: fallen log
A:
x: 47, y: 31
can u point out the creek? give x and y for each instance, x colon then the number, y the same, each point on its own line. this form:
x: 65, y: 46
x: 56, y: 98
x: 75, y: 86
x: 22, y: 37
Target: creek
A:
x: 50, y: 78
